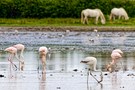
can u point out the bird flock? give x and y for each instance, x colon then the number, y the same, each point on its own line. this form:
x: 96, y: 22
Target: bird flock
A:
x: 18, y: 49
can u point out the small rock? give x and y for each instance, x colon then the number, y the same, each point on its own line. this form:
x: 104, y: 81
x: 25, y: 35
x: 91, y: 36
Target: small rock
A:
x: 51, y: 74
x: 1, y: 75
x: 81, y: 74
x: 58, y: 87
x: 75, y: 70
x: 72, y: 75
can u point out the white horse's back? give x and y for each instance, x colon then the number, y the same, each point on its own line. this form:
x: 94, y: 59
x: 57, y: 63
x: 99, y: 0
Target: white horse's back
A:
x: 119, y: 12
x: 92, y: 13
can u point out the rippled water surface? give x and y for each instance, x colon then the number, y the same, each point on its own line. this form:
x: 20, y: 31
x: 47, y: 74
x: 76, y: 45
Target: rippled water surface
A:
x: 64, y: 70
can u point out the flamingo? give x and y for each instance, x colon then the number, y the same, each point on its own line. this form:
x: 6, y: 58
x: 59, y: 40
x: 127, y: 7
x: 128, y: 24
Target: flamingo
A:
x: 42, y: 53
x: 92, y: 62
x: 20, y: 49
x: 13, y: 50
x: 115, y: 55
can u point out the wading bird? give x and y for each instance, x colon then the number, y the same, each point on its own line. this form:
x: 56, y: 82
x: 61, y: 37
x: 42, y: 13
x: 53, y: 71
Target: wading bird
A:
x: 42, y: 53
x: 92, y: 62
x: 20, y: 49
x: 115, y: 55
x: 14, y: 51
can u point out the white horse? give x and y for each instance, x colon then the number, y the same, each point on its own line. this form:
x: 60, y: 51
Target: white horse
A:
x: 92, y: 13
x: 118, y: 12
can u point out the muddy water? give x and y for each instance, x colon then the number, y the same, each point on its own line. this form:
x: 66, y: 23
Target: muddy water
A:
x: 64, y: 70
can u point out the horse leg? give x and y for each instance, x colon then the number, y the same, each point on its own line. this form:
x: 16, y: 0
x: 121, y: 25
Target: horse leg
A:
x: 113, y: 17
x: 96, y: 20
x: 119, y: 17
x: 83, y: 20
x: 86, y: 20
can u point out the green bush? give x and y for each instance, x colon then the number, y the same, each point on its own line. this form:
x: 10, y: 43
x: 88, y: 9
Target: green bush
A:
x: 59, y: 8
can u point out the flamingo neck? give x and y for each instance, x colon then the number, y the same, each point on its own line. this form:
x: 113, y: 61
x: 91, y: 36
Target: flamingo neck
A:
x: 113, y: 62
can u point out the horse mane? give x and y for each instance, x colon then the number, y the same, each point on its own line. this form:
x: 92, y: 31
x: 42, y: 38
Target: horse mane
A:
x: 101, y: 14
x: 126, y: 15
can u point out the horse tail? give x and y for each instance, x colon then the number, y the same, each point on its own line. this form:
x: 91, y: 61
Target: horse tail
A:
x: 101, y: 15
x: 82, y: 17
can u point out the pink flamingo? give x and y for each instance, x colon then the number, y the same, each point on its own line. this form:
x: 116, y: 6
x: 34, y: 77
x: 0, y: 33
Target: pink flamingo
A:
x: 13, y: 50
x: 92, y: 62
x: 20, y: 49
x: 115, y: 55
x: 42, y: 53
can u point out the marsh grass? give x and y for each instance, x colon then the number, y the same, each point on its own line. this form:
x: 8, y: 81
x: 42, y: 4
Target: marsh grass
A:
x: 56, y: 22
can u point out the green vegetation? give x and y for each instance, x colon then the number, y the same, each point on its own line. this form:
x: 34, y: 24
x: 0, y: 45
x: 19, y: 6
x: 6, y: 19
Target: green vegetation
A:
x: 58, y: 22
x: 60, y: 12
x: 59, y: 8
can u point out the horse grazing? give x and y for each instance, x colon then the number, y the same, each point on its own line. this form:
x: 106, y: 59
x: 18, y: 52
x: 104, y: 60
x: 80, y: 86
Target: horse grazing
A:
x: 118, y: 12
x: 92, y: 13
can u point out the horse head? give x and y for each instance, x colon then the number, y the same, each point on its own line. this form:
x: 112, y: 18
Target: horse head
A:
x: 125, y: 14
x: 102, y: 21
x: 101, y: 16
x: 126, y: 17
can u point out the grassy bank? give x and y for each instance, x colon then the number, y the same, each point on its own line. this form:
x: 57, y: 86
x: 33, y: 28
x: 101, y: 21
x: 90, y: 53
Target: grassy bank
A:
x: 65, y: 22
x: 62, y: 22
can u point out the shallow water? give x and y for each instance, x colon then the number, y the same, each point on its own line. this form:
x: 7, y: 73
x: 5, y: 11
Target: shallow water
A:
x: 67, y: 50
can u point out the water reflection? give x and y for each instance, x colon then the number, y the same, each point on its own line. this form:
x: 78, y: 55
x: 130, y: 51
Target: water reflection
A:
x: 60, y: 74
x: 42, y: 82
x: 96, y: 86
x: 67, y: 60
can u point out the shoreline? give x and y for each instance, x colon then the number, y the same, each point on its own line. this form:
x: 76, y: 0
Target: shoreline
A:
x: 71, y: 28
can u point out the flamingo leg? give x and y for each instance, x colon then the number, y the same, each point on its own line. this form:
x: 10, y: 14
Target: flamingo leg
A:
x: 21, y: 60
x: 88, y: 80
x: 11, y: 57
x: 43, y: 67
x: 13, y: 65
x: 87, y: 77
x: 10, y: 60
x: 122, y: 65
x: 101, y: 76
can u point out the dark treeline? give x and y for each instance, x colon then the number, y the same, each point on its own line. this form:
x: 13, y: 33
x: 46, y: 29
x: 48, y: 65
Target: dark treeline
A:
x: 59, y: 8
